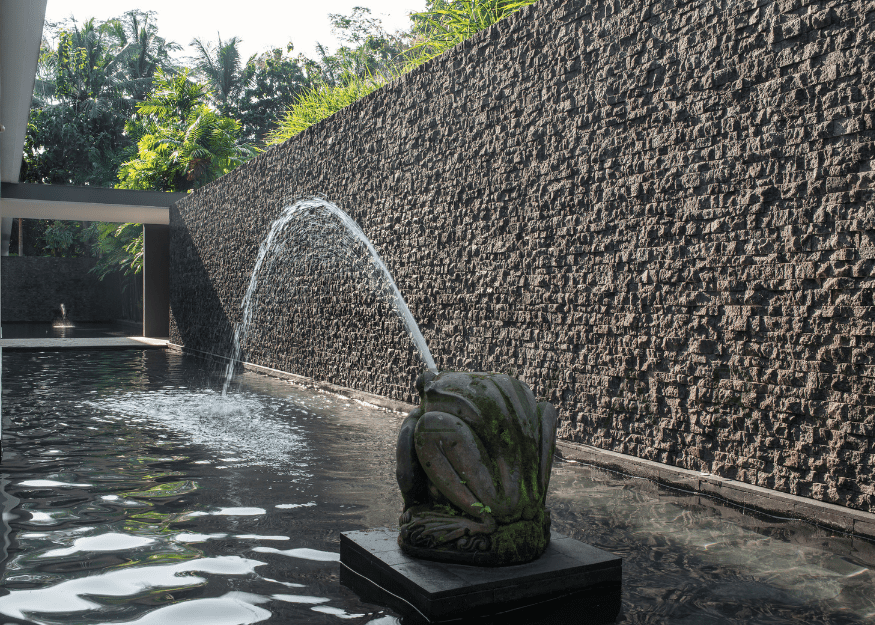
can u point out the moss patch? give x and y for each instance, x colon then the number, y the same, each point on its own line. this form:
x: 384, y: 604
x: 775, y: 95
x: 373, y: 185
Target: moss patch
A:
x: 522, y: 541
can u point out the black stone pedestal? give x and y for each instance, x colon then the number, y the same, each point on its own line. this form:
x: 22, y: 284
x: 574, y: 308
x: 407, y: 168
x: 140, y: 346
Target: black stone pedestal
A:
x: 571, y: 582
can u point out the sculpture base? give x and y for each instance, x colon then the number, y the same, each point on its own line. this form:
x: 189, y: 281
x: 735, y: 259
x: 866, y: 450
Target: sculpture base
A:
x: 570, y: 582
x: 515, y: 543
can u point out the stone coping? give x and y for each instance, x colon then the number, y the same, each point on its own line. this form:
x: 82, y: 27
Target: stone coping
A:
x: 757, y: 498
x: 109, y: 342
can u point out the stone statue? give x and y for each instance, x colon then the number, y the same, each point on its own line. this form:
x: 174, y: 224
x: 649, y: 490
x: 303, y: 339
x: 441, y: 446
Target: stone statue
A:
x: 474, y: 464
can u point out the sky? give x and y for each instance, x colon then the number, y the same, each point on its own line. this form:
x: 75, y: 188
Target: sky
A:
x: 261, y: 24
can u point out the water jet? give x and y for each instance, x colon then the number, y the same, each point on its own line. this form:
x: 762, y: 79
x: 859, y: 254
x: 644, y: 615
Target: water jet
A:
x: 60, y: 319
x: 315, y: 220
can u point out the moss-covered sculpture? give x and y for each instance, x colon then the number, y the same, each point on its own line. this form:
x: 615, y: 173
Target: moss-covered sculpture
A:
x: 474, y: 464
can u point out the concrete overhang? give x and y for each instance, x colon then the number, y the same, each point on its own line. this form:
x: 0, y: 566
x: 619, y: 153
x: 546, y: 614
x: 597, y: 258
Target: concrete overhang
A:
x: 37, y: 201
x: 21, y: 29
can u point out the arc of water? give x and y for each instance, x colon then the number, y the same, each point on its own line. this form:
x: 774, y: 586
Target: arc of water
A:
x: 274, y: 241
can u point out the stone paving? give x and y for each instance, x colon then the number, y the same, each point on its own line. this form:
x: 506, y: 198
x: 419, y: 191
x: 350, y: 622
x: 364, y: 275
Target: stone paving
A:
x: 111, y: 342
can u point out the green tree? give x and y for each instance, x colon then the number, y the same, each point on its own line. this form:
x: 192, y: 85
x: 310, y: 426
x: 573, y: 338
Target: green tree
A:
x: 119, y: 248
x: 89, y: 72
x: 219, y: 65
x: 143, y: 51
x: 67, y: 146
x: 367, y: 49
x: 75, y: 133
x: 67, y: 238
x: 370, y: 57
x: 273, y: 82
x: 86, y: 89
x: 182, y: 142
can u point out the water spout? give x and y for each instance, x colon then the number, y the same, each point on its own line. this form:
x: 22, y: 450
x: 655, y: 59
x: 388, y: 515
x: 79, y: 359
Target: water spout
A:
x: 60, y: 318
x: 297, y: 216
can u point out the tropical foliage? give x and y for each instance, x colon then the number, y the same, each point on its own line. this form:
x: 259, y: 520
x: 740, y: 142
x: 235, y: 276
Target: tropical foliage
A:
x: 368, y: 49
x: 378, y: 57
x: 219, y: 66
x: 182, y: 142
x: 87, y: 87
x: 369, y: 58
x: 272, y: 81
x: 447, y: 23
x: 145, y: 52
x: 111, y: 107
x: 320, y: 102
x: 120, y: 247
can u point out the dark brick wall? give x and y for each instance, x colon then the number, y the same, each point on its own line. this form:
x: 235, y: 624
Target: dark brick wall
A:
x: 34, y: 286
x: 659, y: 214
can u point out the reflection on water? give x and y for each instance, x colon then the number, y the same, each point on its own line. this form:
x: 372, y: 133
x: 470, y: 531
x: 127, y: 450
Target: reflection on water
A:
x: 133, y: 494
x: 246, y: 427
x: 689, y: 559
x: 139, y: 499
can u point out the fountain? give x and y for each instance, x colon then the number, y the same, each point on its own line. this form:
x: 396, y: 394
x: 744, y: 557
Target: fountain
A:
x: 473, y: 465
x: 320, y: 217
x: 60, y: 319
x: 155, y: 478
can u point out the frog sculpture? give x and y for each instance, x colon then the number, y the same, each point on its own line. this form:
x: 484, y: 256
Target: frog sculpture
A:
x: 474, y: 464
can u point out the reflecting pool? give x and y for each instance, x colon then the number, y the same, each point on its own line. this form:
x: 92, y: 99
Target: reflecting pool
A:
x: 133, y: 493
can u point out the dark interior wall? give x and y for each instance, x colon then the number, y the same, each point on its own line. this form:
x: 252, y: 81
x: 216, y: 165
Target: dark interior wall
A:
x: 156, y: 294
x: 35, y: 286
x: 658, y: 214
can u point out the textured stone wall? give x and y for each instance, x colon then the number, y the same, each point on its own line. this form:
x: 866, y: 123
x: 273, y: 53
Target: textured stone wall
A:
x: 35, y: 286
x: 659, y: 214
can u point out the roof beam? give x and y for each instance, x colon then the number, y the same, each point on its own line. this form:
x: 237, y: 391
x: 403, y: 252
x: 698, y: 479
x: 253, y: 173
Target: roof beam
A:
x: 43, y: 201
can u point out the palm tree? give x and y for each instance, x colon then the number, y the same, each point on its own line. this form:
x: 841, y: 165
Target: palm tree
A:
x: 142, y: 50
x: 80, y: 104
x: 89, y: 73
x: 219, y: 64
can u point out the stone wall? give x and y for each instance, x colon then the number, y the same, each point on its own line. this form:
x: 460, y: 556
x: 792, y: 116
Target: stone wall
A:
x: 659, y: 214
x: 35, y: 286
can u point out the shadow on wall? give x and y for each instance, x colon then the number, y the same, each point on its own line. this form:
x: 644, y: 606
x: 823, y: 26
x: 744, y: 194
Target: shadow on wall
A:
x: 319, y: 319
x: 197, y: 318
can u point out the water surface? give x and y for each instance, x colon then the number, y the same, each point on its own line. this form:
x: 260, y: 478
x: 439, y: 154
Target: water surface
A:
x: 133, y: 493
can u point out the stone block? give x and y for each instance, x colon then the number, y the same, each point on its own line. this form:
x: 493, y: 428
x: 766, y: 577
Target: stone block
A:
x: 570, y: 578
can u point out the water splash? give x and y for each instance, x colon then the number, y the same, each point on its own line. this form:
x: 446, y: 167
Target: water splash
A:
x: 307, y: 216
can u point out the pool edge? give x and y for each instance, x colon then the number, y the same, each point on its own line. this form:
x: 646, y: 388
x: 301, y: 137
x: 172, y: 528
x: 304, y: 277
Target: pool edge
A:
x: 758, y: 498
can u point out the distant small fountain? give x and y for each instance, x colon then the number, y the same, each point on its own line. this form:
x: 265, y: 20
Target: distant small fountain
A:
x: 60, y: 319
x: 305, y: 217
